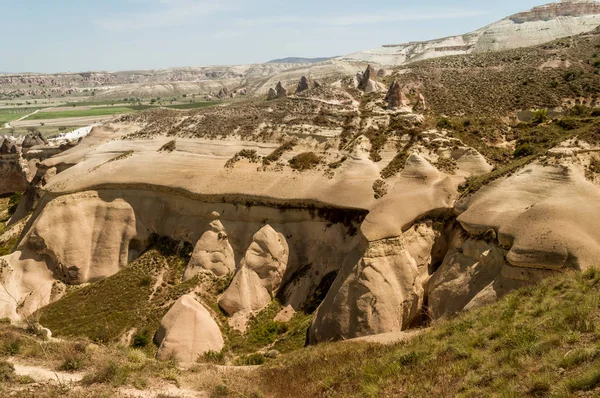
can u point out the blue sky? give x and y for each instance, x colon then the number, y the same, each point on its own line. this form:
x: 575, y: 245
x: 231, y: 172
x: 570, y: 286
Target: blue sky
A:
x: 81, y: 35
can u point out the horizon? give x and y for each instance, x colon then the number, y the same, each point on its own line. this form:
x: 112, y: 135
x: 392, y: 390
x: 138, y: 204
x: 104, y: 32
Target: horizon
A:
x: 229, y: 33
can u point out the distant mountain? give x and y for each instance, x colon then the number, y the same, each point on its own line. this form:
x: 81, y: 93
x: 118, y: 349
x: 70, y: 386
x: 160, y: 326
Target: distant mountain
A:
x: 530, y: 28
x: 298, y: 60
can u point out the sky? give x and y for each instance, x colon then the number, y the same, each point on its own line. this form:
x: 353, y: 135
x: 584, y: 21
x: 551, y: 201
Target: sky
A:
x: 111, y: 35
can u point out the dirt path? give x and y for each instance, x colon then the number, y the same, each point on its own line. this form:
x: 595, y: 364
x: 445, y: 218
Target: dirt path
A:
x: 40, y: 374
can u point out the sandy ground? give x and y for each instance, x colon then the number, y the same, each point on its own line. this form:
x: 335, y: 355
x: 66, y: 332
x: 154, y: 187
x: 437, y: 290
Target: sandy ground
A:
x: 41, y: 374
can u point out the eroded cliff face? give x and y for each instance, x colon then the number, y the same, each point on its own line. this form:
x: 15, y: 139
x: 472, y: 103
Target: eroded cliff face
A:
x: 565, y: 8
x: 87, y: 236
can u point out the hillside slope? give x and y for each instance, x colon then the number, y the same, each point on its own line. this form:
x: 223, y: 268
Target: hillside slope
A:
x: 536, y: 26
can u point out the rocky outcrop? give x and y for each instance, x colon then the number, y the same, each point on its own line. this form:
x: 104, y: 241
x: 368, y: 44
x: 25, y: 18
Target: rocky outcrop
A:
x: 259, y: 275
x: 272, y: 94
x: 84, y: 237
x: 368, y: 80
x: 534, y: 27
x: 421, y: 105
x: 33, y: 139
x: 564, y: 8
x: 281, y: 91
x: 382, y: 293
x: 14, y: 171
x: 187, y: 331
x: 395, y: 97
x: 212, y: 253
x: 303, y: 85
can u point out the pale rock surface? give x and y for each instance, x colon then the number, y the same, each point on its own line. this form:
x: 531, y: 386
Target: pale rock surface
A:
x: 537, y: 26
x: 271, y: 94
x: 84, y: 237
x: 367, y: 81
x: 212, y: 253
x: 546, y: 215
x: 382, y: 293
x: 187, y: 331
x: 259, y: 275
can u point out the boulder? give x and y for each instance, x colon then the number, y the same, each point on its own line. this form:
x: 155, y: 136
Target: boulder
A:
x: 187, y: 331
x: 303, y: 85
x: 272, y: 94
x: 212, y: 253
x: 259, y: 275
x: 394, y: 97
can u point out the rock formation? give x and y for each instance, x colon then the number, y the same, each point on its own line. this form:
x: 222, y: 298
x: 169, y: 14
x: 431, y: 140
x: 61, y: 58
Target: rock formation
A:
x: 281, y: 91
x: 212, y: 253
x: 383, y: 293
x: 33, y: 139
x: 259, y: 275
x: 303, y: 85
x: 187, y: 331
x: 14, y: 171
x: 540, y: 25
x: 395, y: 97
x: 367, y: 81
x: 272, y: 94
x: 421, y: 105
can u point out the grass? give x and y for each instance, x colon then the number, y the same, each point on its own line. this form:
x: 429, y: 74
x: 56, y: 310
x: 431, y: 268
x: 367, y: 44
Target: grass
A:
x: 538, y: 341
x: 106, y: 310
x: 10, y: 114
x: 104, y: 111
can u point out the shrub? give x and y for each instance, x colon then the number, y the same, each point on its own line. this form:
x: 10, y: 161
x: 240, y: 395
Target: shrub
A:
x: 540, y: 116
x: 524, y: 150
x: 595, y: 112
x: 444, y: 123
x: 217, y: 357
x: 305, y: 161
x: 579, y: 110
x: 570, y: 75
x: 140, y: 339
x: 251, y: 360
x: 277, y: 153
x: 13, y: 203
x: 7, y: 371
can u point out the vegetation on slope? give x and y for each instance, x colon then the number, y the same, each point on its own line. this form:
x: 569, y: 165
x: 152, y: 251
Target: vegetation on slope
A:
x: 496, y: 83
x: 137, y: 298
x: 538, y: 341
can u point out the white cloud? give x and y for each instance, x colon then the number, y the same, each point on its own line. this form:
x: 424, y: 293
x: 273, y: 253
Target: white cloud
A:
x: 168, y: 13
x: 360, y: 19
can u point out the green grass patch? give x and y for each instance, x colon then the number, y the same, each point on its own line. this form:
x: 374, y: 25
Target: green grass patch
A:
x: 521, y: 346
x: 107, y: 309
x: 104, y: 111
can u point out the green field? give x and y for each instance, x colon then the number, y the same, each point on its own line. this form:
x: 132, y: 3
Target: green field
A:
x: 107, y: 111
x: 8, y: 115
